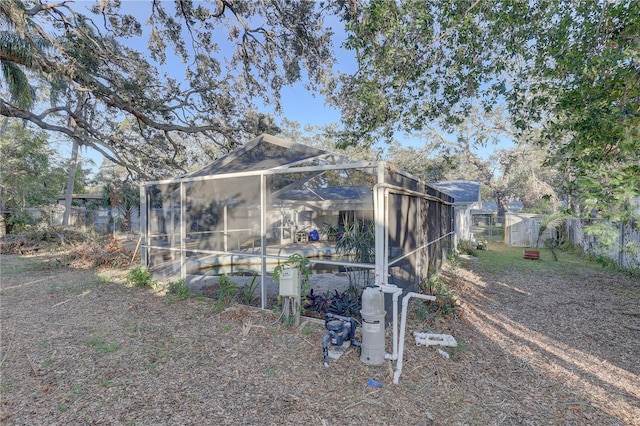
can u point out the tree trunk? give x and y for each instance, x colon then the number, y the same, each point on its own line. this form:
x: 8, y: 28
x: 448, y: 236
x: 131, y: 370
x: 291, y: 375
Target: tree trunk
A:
x: 502, y: 201
x: 73, y: 166
x: 3, y: 219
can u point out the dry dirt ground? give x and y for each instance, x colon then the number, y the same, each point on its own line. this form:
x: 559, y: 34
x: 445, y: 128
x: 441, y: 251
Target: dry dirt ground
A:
x: 542, y: 342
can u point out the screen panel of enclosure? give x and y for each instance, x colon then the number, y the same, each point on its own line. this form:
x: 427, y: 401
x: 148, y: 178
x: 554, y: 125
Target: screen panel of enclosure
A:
x: 223, y: 229
x: 404, y: 239
x: 163, y: 230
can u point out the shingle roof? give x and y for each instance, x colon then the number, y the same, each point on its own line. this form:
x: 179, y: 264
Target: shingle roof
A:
x: 462, y: 191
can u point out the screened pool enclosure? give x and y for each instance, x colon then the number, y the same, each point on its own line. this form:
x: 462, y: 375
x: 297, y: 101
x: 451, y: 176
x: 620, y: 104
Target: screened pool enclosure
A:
x: 359, y: 223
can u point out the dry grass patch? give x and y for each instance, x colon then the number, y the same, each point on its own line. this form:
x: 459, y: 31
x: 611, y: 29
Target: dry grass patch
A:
x: 81, y: 347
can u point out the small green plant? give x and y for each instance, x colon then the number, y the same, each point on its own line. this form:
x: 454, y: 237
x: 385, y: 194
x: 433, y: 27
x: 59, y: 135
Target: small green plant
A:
x: 6, y: 386
x: 108, y: 348
x: 149, y: 367
x: 95, y: 340
x: 468, y: 247
x: 179, y: 289
x: 140, y: 277
x: 288, y: 321
x: 607, y: 262
x: 63, y: 407
x: 456, y: 351
x: 54, y: 288
x: 226, y: 292
x: 104, y: 280
x: 434, y: 284
x: 421, y: 310
x: 248, y: 290
x: 346, y: 303
x: 102, y: 347
x: 453, y: 261
x: 330, y: 231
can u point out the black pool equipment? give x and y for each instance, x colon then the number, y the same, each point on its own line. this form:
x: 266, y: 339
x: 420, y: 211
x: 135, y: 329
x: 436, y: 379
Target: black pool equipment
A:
x: 340, y: 330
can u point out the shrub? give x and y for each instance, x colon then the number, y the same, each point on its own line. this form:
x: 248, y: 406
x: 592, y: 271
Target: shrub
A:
x: 467, y: 247
x: 445, y: 303
x: 227, y: 292
x: 341, y: 303
x: 179, y: 289
x: 482, y: 244
x: 20, y: 221
x: 140, y: 277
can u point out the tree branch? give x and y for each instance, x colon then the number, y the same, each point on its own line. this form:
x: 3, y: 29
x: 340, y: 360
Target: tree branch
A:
x: 42, y: 7
x: 9, y: 110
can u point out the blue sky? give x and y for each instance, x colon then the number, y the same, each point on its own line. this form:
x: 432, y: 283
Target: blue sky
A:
x: 297, y: 102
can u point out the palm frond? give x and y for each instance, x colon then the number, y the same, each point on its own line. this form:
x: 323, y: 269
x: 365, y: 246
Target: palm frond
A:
x: 17, y: 84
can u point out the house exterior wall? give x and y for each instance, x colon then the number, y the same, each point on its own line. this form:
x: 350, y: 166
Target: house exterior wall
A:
x: 463, y: 222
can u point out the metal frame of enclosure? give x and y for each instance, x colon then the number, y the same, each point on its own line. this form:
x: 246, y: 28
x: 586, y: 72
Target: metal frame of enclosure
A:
x: 251, y: 209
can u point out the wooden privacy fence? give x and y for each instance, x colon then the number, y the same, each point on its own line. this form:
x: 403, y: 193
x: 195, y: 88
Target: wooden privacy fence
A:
x: 625, y: 250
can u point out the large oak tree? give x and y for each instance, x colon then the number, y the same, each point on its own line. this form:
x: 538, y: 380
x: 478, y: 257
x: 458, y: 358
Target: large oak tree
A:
x: 104, y: 68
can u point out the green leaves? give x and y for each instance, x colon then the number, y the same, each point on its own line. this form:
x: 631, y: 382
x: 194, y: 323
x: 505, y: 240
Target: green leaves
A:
x: 30, y: 176
x: 14, y: 51
x: 571, y: 68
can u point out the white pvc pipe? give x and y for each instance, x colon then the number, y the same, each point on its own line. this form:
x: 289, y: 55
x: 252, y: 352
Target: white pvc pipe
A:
x: 396, y: 292
x: 379, y: 233
x: 396, y: 295
x: 403, y: 324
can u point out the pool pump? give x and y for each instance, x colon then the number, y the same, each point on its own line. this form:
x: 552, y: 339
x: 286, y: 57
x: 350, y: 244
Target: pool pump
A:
x: 340, y: 330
